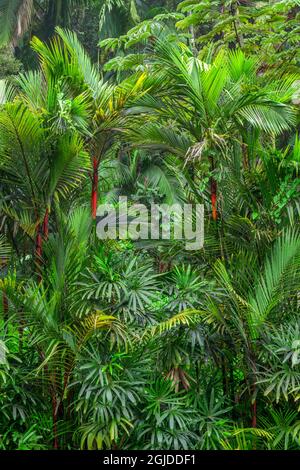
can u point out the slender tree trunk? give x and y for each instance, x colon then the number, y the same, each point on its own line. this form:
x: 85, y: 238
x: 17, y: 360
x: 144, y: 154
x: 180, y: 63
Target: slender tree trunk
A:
x: 254, y: 414
x: 254, y: 409
x: 52, y: 391
x: 39, y: 250
x: 46, y: 225
x: 193, y: 39
x: 54, y: 419
x: 245, y: 156
x: 95, y: 179
x: 213, y: 191
x: 42, y: 233
x: 39, y: 243
x: 236, y: 24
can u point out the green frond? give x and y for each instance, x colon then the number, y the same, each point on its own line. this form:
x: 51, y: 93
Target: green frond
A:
x: 186, y: 317
x: 15, y: 18
x: 278, y: 280
x: 87, y: 69
x: 70, y: 165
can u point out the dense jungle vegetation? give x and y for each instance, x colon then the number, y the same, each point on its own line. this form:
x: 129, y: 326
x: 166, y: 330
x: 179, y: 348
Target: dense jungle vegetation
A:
x: 117, y: 344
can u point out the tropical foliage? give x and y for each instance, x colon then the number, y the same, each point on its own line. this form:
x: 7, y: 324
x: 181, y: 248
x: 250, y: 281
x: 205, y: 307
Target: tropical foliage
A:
x: 123, y: 344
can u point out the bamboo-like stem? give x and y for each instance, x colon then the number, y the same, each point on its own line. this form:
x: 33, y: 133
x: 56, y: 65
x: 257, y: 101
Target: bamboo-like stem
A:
x: 94, y: 197
x: 46, y: 225
x: 39, y: 250
x: 213, y: 191
x: 246, y: 164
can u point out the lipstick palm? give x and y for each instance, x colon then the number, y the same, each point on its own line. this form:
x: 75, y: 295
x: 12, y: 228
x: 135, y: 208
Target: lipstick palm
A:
x: 56, y: 335
x: 65, y: 59
x: 204, y: 109
x: 274, y: 290
x: 41, y: 163
x: 42, y: 141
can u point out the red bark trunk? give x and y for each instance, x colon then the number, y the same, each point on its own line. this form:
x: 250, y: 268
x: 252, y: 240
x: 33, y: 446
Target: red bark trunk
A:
x: 213, y: 191
x: 254, y: 406
x: 214, y: 199
x: 46, y: 225
x: 254, y: 414
x: 39, y: 250
x: 95, y: 180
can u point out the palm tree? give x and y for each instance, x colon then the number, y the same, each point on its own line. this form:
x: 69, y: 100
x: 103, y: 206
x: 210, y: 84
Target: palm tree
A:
x: 108, y: 103
x: 42, y: 148
x: 56, y: 332
x: 134, y: 173
x: 211, y: 106
x: 124, y: 345
x: 246, y: 311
